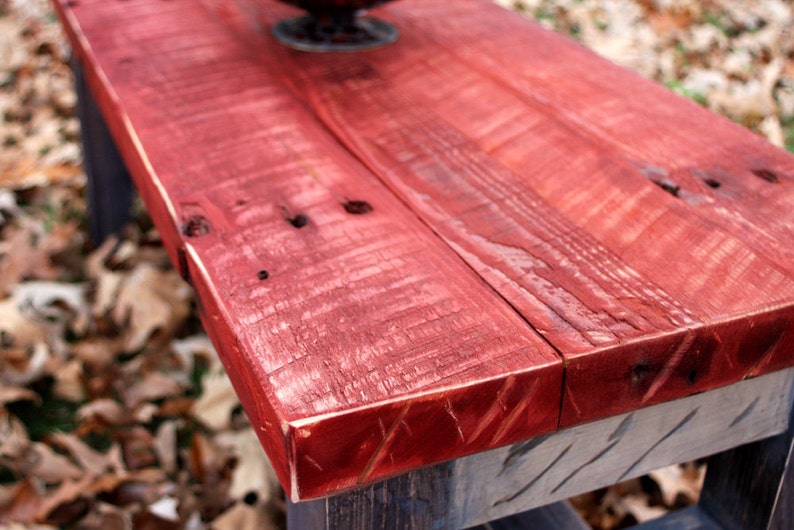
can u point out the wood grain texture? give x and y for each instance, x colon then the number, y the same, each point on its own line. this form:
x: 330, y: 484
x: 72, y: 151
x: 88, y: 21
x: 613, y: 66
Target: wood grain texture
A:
x: 352, y: 333
x: 410, y: 501
x: 651, y: 282
x: 399, y: 252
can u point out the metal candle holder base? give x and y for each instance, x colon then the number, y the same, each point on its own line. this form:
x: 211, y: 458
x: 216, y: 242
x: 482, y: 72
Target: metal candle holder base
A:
x: 334, y: 26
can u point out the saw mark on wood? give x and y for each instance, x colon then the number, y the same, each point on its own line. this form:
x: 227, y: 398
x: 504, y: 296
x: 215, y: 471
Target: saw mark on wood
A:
x: 623, y: 428
x: 448, y: 408
x: 495, y: 409
x: 514, y: 414
x: 746, y: 412
x: 534, y: 480
x: 766, y: 174
x: 672, y: 431
x: 383, y: 443
x: 520, y: 449
x: 596, y: 458
x: 670, y: 366
x: 773, y: 344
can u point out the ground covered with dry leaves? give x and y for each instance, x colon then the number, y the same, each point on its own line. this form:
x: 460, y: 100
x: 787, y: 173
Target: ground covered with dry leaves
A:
x: 114, y: 409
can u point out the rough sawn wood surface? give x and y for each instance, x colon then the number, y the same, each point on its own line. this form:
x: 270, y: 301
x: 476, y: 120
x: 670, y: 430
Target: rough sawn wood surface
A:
x: 399, y: 252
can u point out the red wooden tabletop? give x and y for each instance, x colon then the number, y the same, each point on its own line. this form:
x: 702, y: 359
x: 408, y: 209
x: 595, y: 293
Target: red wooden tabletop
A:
x: 478, y: 234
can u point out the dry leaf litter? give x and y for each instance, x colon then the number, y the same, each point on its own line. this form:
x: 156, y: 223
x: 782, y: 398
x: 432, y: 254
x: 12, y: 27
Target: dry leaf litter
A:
x: 115, y: 411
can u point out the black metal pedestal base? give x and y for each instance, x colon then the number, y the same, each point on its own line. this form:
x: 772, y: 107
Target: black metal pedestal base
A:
x: 315, y: 34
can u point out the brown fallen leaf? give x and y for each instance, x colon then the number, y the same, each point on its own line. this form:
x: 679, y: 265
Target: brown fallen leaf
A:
x: 54, y: 302
x: 243, y: 517
x: 217, y: 401
x: 164, y: 446
x: 69, y: 381
x: 17, y: 328
x: 22, y: 366
x: 67, y: 503
x: 39, y: 461
x: 25, y: 504
x: 137, y: 448
x: 10, y: 394
x: 150, y: 301
x: 19, y: 259
x: 252, y: 472
x: 153, y: 386
x: 106, y: 516
x: 14, y: 441
x: 107, y: 411
x: 89, y: 459
x: 676, y: 482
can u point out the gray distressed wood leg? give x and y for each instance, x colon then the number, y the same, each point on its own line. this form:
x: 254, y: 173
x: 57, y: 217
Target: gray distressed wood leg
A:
x: 752, y: 487
x: 110, y: 188
x: 415, y: 500
x: 419, y: 500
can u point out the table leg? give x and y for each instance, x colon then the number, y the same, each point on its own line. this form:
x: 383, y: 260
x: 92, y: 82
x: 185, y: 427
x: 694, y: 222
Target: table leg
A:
x: 414, y: 500
x: 752, y: 486
x: 417, y: 500
x: 109, y: 188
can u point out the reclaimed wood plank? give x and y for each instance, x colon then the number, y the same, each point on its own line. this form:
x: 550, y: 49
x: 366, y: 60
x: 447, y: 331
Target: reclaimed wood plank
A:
x: 361, y: 276
x: 543, y: 471
x: 593, y: 455
x: 650, y: 289
x: 359, y: 343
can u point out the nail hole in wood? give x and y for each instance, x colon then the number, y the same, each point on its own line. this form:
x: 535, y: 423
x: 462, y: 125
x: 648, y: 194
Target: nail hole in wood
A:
x: 299, y: 221
x: 711, y: 183
x: 669, y: 187
x: 263, y: 274
x: 640, y: 371
x: 767, y: 175
x: 357, y: 207
x: 196, y: 226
